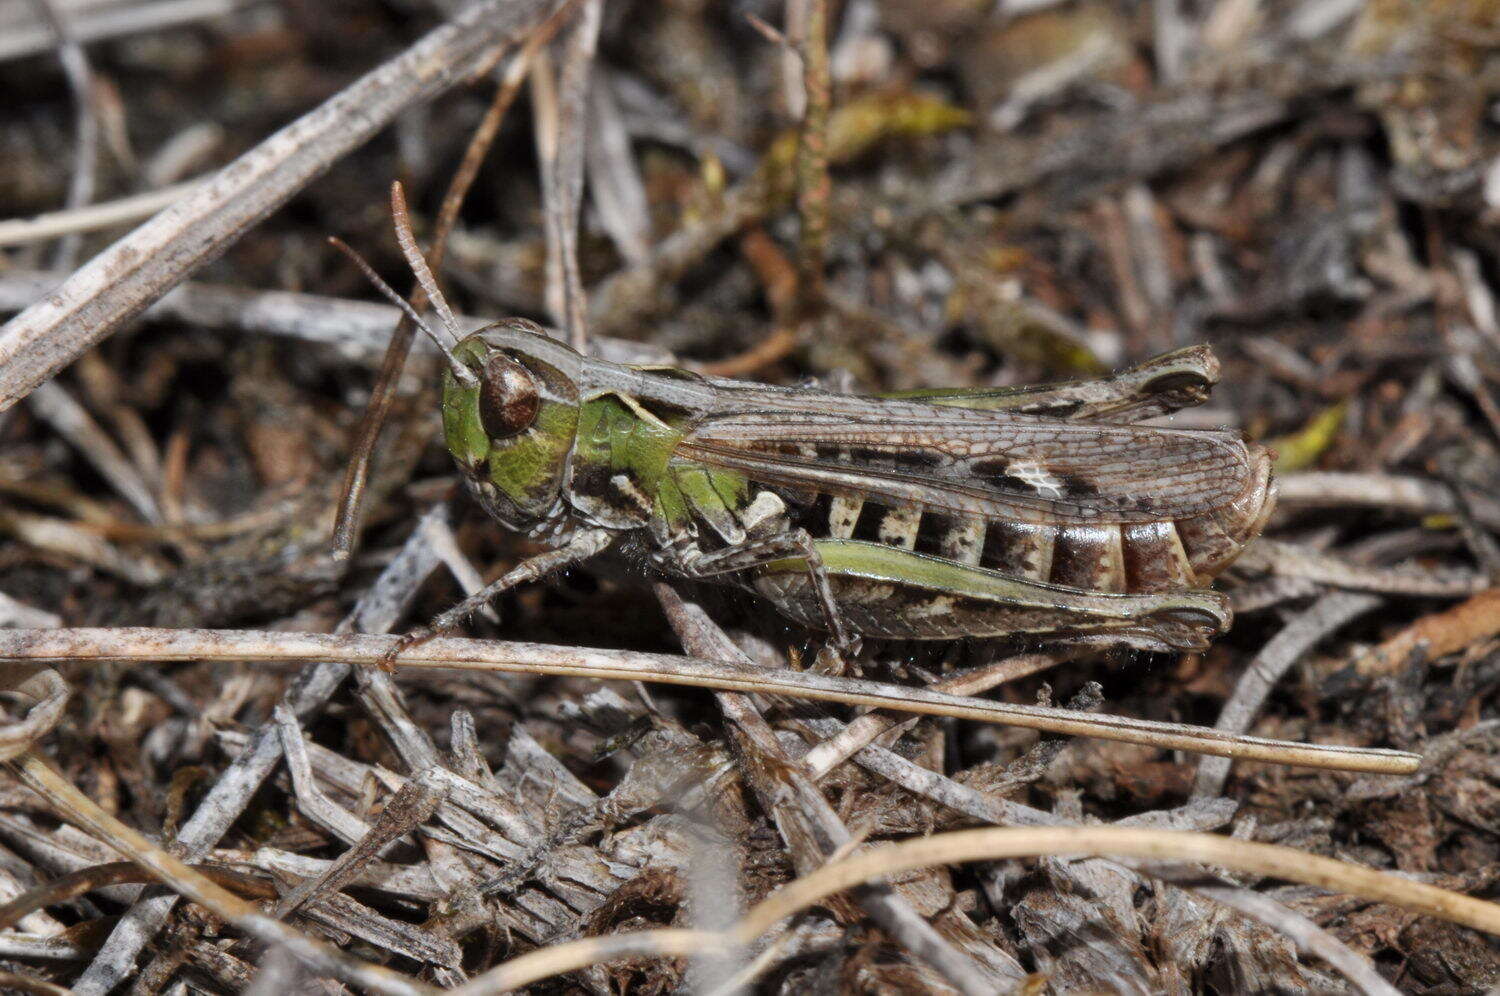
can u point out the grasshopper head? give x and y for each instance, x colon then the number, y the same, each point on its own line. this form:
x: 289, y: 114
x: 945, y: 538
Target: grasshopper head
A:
x: 512, y: 430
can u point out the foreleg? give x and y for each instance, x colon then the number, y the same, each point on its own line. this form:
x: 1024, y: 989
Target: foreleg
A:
x: 582, y: 545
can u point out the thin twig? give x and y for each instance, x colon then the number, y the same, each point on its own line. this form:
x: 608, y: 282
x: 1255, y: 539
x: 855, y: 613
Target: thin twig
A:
x: 86, y: 880
x: 834, y: 751
x: 1274, y: 660
x: 92, y: 217
x: 56, y: 406
x: 1241, y: 855
x: 142, y: 644
x: 996, y: 844
x: 360, y: 330
x: 112, y: 20
x: 1387, y: 492
x: 1290, y: 561
x: 85, y: 126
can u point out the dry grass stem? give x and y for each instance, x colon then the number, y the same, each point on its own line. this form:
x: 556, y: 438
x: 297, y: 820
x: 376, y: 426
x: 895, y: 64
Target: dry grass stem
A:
x: 886, y: 860
x: 92, y: 217
x: 120, y: 645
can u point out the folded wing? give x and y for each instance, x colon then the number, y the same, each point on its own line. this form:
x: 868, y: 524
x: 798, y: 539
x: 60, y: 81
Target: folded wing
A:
x: 997, y: 465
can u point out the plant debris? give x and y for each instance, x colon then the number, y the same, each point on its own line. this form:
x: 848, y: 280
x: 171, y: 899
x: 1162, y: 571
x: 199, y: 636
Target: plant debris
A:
x: 878, y: 195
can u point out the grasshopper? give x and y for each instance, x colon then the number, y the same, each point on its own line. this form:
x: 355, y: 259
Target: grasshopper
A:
x: 1039, y: 512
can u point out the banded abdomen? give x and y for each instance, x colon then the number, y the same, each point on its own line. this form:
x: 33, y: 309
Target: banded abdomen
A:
x: 1112, y: 556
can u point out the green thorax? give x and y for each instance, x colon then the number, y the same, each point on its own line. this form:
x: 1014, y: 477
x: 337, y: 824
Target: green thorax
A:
x: 620, y: 460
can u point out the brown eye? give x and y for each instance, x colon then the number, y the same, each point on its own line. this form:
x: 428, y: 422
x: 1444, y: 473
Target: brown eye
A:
x: 508, y: 397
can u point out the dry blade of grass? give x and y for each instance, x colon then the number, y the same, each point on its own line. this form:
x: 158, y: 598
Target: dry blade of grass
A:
x: 560, y: 114
x: 1270, y: 666
x: 359, y: 329
x: 46, y: 781
x: 51, y: 694
x: 92, y: 217
x: 1285, y: 560
x: 148, y: 644
x: 80, y: 77
x: 21, y: 35
x: 996, y: 844
x: 1386, y: 492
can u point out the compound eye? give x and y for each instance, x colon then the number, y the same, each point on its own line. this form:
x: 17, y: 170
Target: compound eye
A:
x: 508, y: 397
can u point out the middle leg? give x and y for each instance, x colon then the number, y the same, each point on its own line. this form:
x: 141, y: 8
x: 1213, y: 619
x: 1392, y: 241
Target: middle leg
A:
x: 690, y: 562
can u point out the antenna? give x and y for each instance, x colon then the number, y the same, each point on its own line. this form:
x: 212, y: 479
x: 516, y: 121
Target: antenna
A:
x: 461, y: 373
x: 418, y: 262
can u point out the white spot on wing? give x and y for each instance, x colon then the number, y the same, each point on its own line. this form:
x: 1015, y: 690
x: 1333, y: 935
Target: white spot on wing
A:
x: 1036, y: 477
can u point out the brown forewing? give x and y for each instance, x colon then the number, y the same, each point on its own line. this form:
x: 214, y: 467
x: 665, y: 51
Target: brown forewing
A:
x: 997, y: 465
